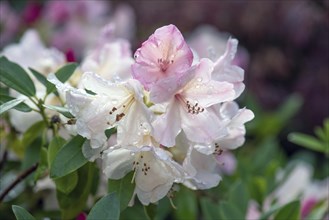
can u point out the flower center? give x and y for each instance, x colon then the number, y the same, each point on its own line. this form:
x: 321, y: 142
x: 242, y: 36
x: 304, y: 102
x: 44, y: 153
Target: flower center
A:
x: 191, y: 107
x: 120, y: 110
x: 218, y: 151
x: 138, y: 164
x: 164, y: 64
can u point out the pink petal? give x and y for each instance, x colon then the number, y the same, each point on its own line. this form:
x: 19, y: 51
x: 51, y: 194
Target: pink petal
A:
x: 164, y: 54
x: 204, y: 90
x: 226, y: 71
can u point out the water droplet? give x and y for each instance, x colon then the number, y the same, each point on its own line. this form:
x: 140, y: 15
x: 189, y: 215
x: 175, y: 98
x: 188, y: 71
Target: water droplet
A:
x: 197, y: 86
x: 114, y: 101
x: 132, y: 153
x: 199, y: 79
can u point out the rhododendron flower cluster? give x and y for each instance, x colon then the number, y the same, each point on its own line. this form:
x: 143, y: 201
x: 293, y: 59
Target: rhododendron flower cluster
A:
x: 173, y: 119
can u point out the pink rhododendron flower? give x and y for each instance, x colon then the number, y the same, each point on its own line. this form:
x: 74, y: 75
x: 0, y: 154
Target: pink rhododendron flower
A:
x: 188, y: 107
x: 226, y: 71
x: 165, y: 54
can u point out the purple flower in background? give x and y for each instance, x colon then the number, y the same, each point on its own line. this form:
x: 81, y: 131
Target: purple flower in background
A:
x: 9, y: 23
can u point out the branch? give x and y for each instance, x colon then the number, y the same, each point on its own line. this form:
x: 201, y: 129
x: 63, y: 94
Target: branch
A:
x: 19, y: 178
x: 4, y: 159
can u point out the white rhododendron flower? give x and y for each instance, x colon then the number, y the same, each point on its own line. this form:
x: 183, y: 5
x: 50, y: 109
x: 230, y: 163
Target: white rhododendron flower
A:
x: 112, y: 61
x: 30, y: 52
x: 172, y: 119
x: 111, y: 105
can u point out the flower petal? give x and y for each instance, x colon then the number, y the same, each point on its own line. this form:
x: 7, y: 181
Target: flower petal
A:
x: 204, y: 90
x: 225, y: 71
x: 168, y: 125
x: 117, y: 163
x: 201, y: 128
x: 163, y: 55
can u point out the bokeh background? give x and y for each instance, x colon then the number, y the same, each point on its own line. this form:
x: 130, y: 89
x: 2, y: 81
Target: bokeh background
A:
x: 286, y: 42
x: 284, y: 49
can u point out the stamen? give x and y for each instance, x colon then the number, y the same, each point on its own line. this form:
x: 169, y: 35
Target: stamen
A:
x: 218, y: 151
x: 164, y: 64
x: 193, y: 109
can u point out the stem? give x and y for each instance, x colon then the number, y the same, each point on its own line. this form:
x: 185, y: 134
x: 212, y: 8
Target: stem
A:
x: 19, y: 178
x: 4, y: 160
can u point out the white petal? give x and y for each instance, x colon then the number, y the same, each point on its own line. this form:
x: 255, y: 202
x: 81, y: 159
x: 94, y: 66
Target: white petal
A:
x: 225, y: 71
x: 201, y: 128
x: 117, y: 163
x: 155, y: 195
x: 203, y: 169
x: 168, y: 125
x: 100, y: 86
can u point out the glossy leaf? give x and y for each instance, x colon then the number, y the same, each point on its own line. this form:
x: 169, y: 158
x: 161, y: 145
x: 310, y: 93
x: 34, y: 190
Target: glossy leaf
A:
x: 69, y: 158
x: 289, y: 211
x: 66, y: 183
x: 16, y: 77
x: 21, y: 213
x: 307, y: 141
x: 41, y: 78
x: 123, y: 188
x: 33, y: 132
x: 9, y: 105
x: 73, y: 203
x: 43, y: 164
x: 20, y: 107
x: 64, y: 111
x: 63, y: 74
x: 107, y: 207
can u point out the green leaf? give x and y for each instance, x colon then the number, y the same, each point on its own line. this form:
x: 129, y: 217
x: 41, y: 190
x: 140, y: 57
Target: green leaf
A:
x: 273, y: 209
x: 69, y: 158
x: 43, y: 164
x: 150, y: 211
x: 239, y: 197
x: 9, y: 105
x: 124, y: 189
x: 186, y: 204
x: 258, y: 188
x: 33, y: 132
x: 307, y: 141
x: 229, y: 211
x: 64, y: 111
x: 63, y: 74
x: 20, y: 107
x: 209, y: 209
x: 54, y: 146
x: 290, y: 211
x: 66, y: 183
x: 21, y: 213
x: 41, y: 78
x: 15, y: 77
x: 73, y: 203
x: 106, y: 208
x: 110, y: 131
